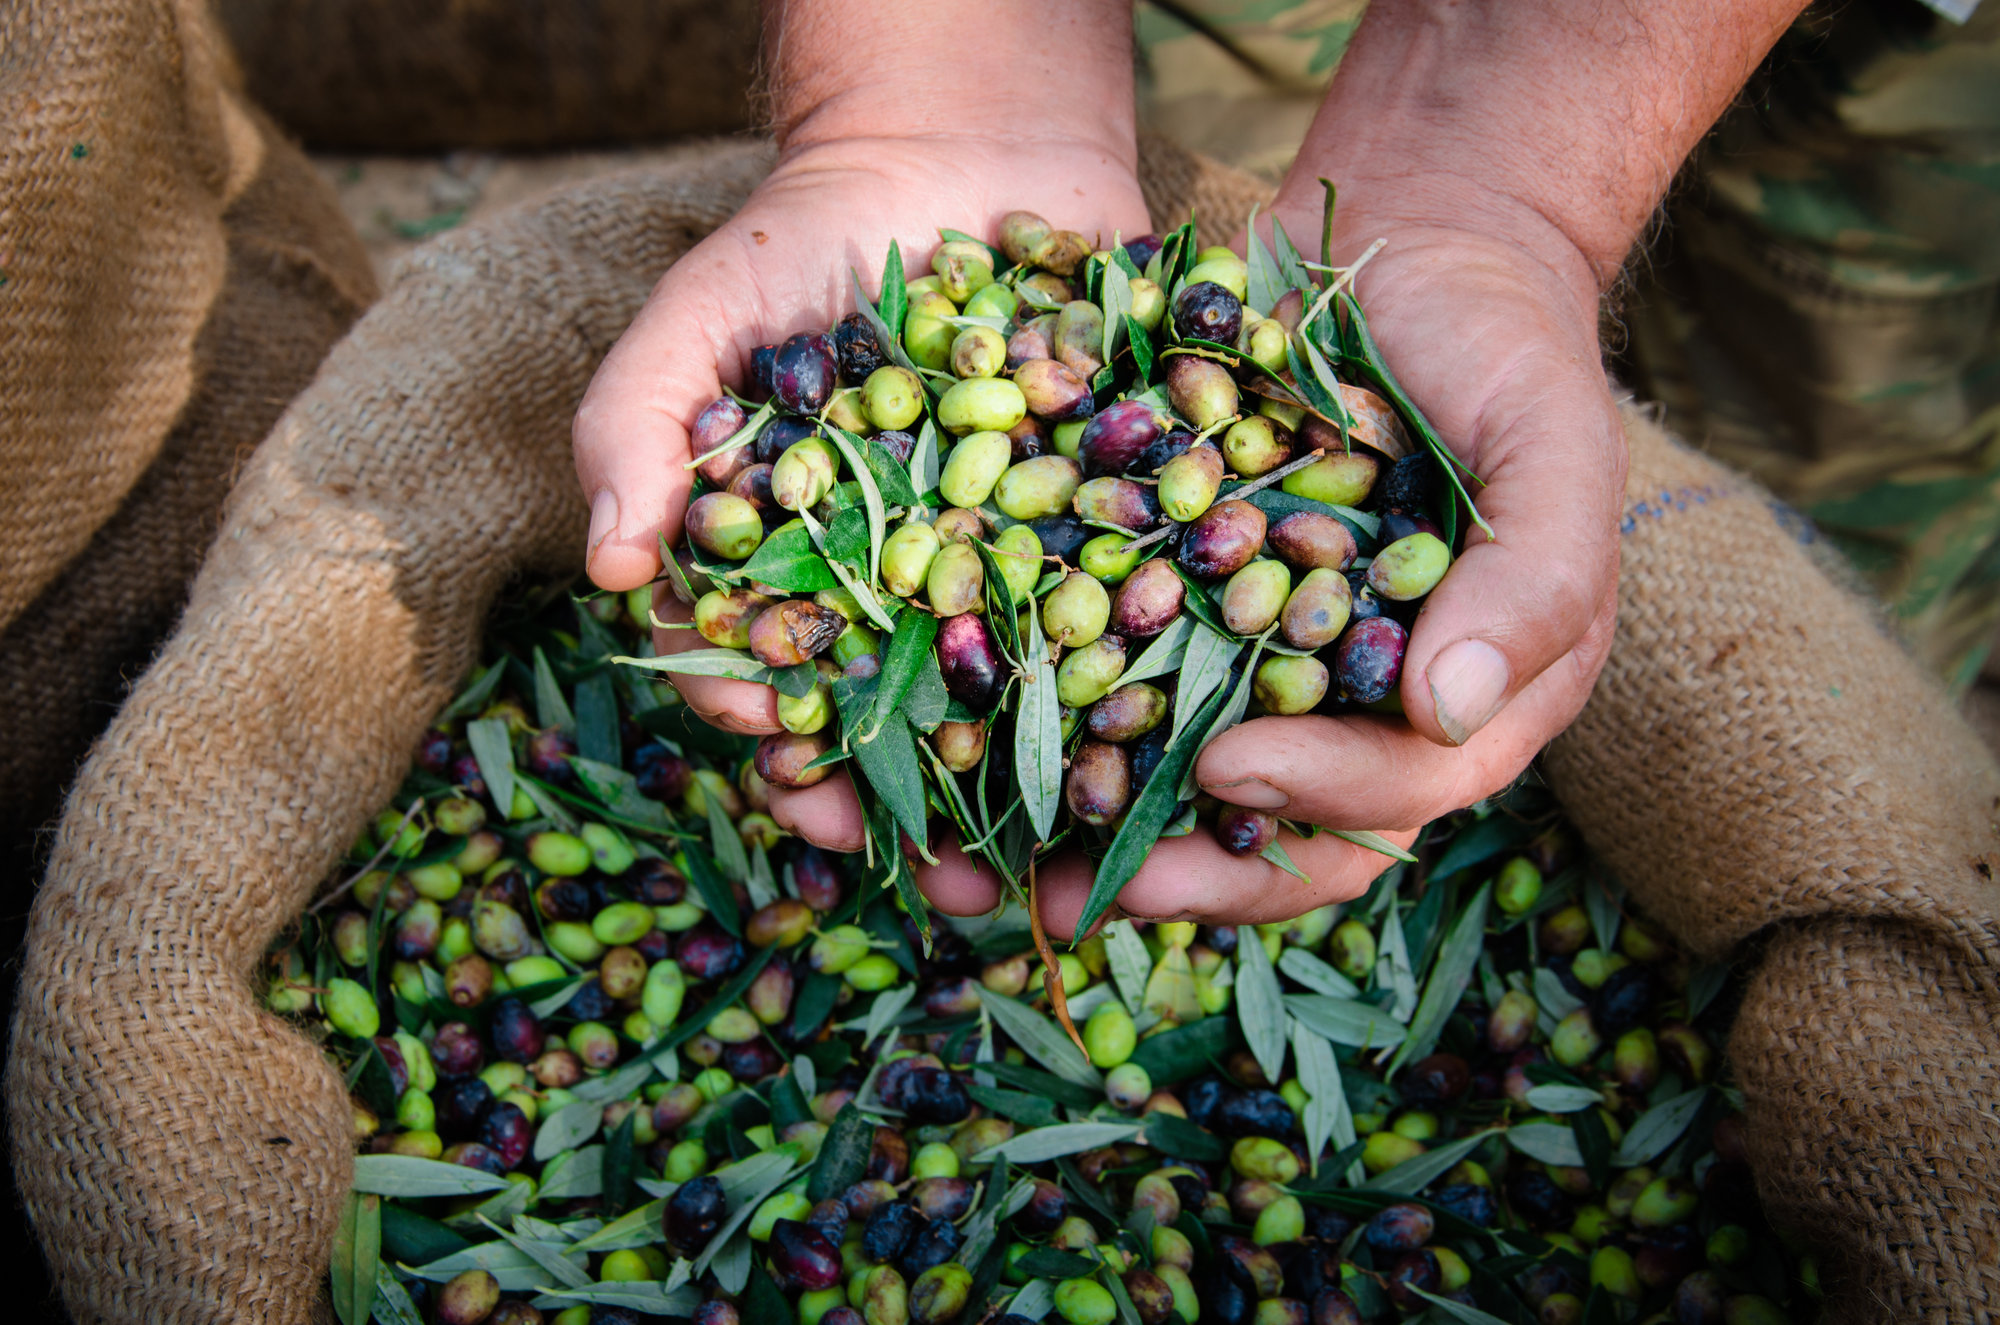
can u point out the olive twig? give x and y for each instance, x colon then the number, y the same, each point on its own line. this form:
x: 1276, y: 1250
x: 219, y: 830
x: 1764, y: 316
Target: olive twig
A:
x: 1051, y: 968
x: 389, y: 841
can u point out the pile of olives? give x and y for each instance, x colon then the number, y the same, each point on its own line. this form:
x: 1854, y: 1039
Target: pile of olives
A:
x: 1118, y: 497
x: 619, y: 1049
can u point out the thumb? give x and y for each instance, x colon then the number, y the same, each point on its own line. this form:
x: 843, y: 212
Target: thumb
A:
x: 1554, y: 459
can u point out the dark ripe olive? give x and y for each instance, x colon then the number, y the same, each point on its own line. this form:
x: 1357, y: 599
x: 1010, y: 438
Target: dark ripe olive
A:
x: 1470, y: 1202
x: 1667, y: 1255
x: 1099, y: 785
x: 460, y: 1106
x: 1328, y: 1225
x: 961, y: 745
x: 507, y: 1132
x: 515, y: 1030
x: 392, y: 1058
x: 969, y: 660
x: 1046, y: 1208
x: 1250, y: 1265
x: 803, y: 1256
x: 1400, y: 1227
x: 547, y: 754
x: 1413, y: 1270
x: 778, y: 436
x: 1410, y: 485
x: 1309, y: 1269
x: 830, y: 1217
x: 934, y: 1244
x: 1205, y: 1098
x: 1256, y: 1113
x: 952, y: 997
x: 1369, y: 660
x: 465, y: 775
x: 1117, y: 436
x: 1119, y: 501
x: 456, y: 1050
x: 783, y: 759
x: 1062, y: 536
x: 805, y: 372
x: 662, y: 775
x: 1333, y: 1307
x: 717, y: 423
x: 1244, y: 831
x: 1207, y: 311
x: 888, y: 1231
x: 1536, y: 1200
x: 900, y: 443
x: 1142, y: 249
x: 889, y: 1156
x: 935, y: 1095
x: 752, y: 1060
x: 763, y: 368
x: 1434, y: 1082
x: 1565, y: 931
x: 1700, y: 1299
x: 819, y: 886
x: 1149, y: 600
x: 1398, y: 525
x: 753, y: 484
x: 1624, y: 1000
x: 1200, y: 390
x: 693, y: 1213
x: 1168, y: 445
x: 1035, y: 339
x: 707, y: 953
x: 472, y: 1155
x: 1030, y: 438
x: 1147, y: 752
x: 789, y: 633
x: 942, y: 1198
x: 589, y: 1002
x: 1544, y: 1279
x: 1053, y: 391
x: 1310, y: 540
x: 655, y: 882
x: 1127, y: 713
x: 1151, y: 1297
x: 1227, y: 1302
x: 434, y: 751
x: 715, y: 1311
x: 1223, y: 540
x: 858, y: 348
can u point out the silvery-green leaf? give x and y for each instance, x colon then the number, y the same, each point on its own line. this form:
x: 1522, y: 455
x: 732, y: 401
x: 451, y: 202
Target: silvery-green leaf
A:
x: 1266, y: 283
x: 357, y: 1259
x: 884, y: 1011
x: 1456, y: 1310
x: 1490, y: 987
x: 1413, y: 1175
x: 1602, y: 907
x: 547, y: 804
x: 1163, y: 653
x: 871, y: 606
x: 474, y: 696
x: 1131, y: 965
x: 1047, y: 1143
x: 549, y: 1004
x: 979, y: 1233
x: 629, y: 1077
x: 1393, y: 970
x: 732, y: 1263
x: 1374, y: 842
x: 638, y: 1228
x: 850, y: 448
x: 550, y: 706
x: 1328, y: 1116
x: 1260, y: 1007
x: 493, y: 751
x: 516, y: 1271
x: 1450, y: 974
x: 1659, y: 1127
x: 806, y: 1075
x: 1090, y: 1000
x: 1204, y: 670
x: 761, y: 882
x: 746, y: 1187
x: 499, y: 1207
x: 1704, y: 983
x: 1345, y: 1021
x: 1316, y: 975
x: 651, y: 1299
x: 735, y: 664
x: 1551, y: 1143
x: 392, y: 1301
x: 581, y: 1174
x: 1558, y: 1098
x: 1040, y: 1039
x: 1117, y: 303
x: 567, y: 1128
x: 410, y: 1176
x: 725, y: 845
x: 924, y: 467
x: 1036, y: 1299
x: 554, y: 1259
x: 1552, y: 996
x: 1038, y: 735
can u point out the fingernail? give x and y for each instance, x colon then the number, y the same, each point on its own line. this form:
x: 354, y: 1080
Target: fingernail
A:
x: 603, y: 521
x: 1255, y: 793
x: 1468, y: 685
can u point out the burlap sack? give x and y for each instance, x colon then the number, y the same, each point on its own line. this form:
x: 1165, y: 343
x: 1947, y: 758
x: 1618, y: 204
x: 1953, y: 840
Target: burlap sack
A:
x: 438, y: 75
x: 429, y: 462
x: 1761, y: 760
x: 171, y: 272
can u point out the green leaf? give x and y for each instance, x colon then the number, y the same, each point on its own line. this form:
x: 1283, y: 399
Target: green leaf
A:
x: 1040, y: 1038
x: 1053, y: 1263
x: 1182, y: 1139
x: 895, y: 298
x: 1479, y: 842
x: 927, y: 700
x: 357, y: 1257
x: 1163, y: 654
x: 736, y: 664
x: 1236, y: 703
x: 618, y: 792
x: 1704, y: 983
x: 716, y: 897
x: 597, y: 719
x: 639, y: 1227
x: 1155, y: 804
x: 474, y: 697
x: 1327, y: 1115
x: 924, y: 464
x: 1047, y: 1143
x: 1413, y: 1175
x: 871, y: 606
x: 1316, y: 975
x: 1174, y: 1056
x: 1345, y: 1021
x: 1448, y: 980
x: 1593, y: 1141
x: 889, y: 762
x: 755, y: 1179
x: 1018, y: 1105
x: 851, y: 449
x: 550, y: 706
x: 1558, y: 1098
x: 1552, y: 996
x: 908, y: 653
x: 408, y: 1176
x: 786, y: 560
x: 890, y: 475
x: 1143, y: 354
x: 621, y: 1164
x: 1604, y: 914
x: 392, y: 1301
x: 1038, y: 737
x: 493, y: 751
x: 1459, y: 1311
x: 1131, y: 965
x: 1200, y: 603
x: 516, y: 1271
x: 1117, y: 304
x: 1659, y: 1127
x: 567, y: 1128
x: 1204, y: 671
x: 644, y: 1296
x: 1291, y: 264
x: 1393, y: 969
x: 550, y: 1256
x: 1277, y: 855
x: 1260, y: 1008
x: 843, y: 1155
x: 414, y: 1239
x: 1551, y: 1143
x: 1266, y: 282
x: 724, y: 842
x: 1276, y: 504
x: 817, y: 993
x: 1044, y: 1084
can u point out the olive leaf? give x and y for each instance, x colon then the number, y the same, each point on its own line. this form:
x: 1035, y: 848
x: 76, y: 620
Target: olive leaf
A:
x: 1237, y: 704
x: 1415, y: 1174
x: 1039, y: 1038
x: 474, y: 696
x: 550, y: 706
x: 787, y: 560
x: 553, y: 1259
x: 1143, y: 355
x: 1131, y: 965
x: 1266, y: 283
x: 1327, y: 1114
x: 597, y: 719
x: 1038, y: 734
x: 924, y: 466
x: 851, y: 449
x: 1163, y: 654
x: 1361, y: 837
x: 1558, y: 1098
x: 1448, y: 980
x: 1316, y: 975
x: 736, y: 664
x: 890, y: 475
x: 895, y: 297
x: 892, y: 341
x: 1117, y: 304
x: 725, y: 844
x: 357, y: 1257
x: 1047, y: 1143
x: 1199, y: 603
x: 909, y: 650
x: 493, y: 751
x: 1203, y: 672
x: 1291, y: 264
x: 392, y: 1301
x: 1345, y: 1021
x: 639, y: 1227
x: 567, y: 1128
x: 1277, y: 855
x: 1552, y: 996
x: 1659, y: 1127
x: 1260, y: 1008
x: 871, y: 606
x: 1551, y: 1143
x: 644, y: 1296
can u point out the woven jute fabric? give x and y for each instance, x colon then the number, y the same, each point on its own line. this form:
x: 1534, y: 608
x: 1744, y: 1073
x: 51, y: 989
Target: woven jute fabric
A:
x: 174, y: 273
x: 1767, y: 769
x: 438, y: 75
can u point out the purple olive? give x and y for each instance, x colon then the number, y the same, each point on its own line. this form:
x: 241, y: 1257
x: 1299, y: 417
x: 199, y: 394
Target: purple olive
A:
x: 655, y: 882
x: 716, y: 1311
x: 472, y: 1155
x: 1168, y: 445
x: 752, y: 1060
x: 942, y: 1198
x: 1413, y: 1270
x: 515, y: 1030
x: 1142, y: 249
x: 778, y: 436
x: 1470, y: 1202
x: 858, y: 349
x: 1537, y: 1201
x: 900, y: 443
x: 507, y: 1132
x: 693, y: 1213
x: 1053, y: 391
x: 1127, y: 713
x: 460, y: 1106
x: 1120, y: 501
x: 753, y: 484
x: 1099, y: 785
x: 565, y: 899
x: 456, y: 1050
x: 1244, y: 831
x: 805, y: 372
x: 1200, y: 390
x: 1436, y: 1081
x: 707, y: 953
x: 662, y: 775
x: 1333, y: 1307
x: 1310, y: 540
x: 969, y: 660
x: 763, y: 368
x: 1222, y: 540
x: 935, y: 1095
x: 465, y: 774
x: 1208, y: 311
x: 888, y: 1231
x: 1149, y: 600
x: 1117, y: 436
x: 1034, y: 340
x: 819, y: 886
x: 1061, y: 536
x: 1397, y: 525
x: 1151, y: 1297
x: 434, y: 751
x: 952, y: 997
x: 547, y: 754
x: 784, y: 759
x: 1410, y: 485
x: 717, y: 423
x: 934, y: 1244
x: 1369, y: 659
x: 1400, y: 1227
x: 889, y: 1156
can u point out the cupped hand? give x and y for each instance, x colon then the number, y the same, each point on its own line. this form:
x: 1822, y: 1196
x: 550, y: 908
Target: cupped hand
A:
x: 780, y: 266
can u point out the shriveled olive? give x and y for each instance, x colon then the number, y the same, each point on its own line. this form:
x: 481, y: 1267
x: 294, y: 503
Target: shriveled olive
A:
x: 1189, y: 482
x: 1099, y: 786
x: 1256, y: 445
x: 957, y: 580
x: 1148, y: 600
x: 1225, y: 539
x: 1201, y: 390
x: 1038, y: 487
x: 793, y: 631
x: 1086, y: 674
x: 1310, y: 540
x: 961, y: 745
x: 1053, y: 391
x: 782, y: 758
x: 1127, y: 713
x: 1289, y: 685
x: 1255, y: 596
x: 1318, y: 610
x: 723, y: 617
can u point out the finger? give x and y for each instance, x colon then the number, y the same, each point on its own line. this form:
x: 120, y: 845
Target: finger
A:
x: 1375, y: 772
x: 958, y: 885
x: 630, y: 438
x: 827, y: 815
x: 742, y: 707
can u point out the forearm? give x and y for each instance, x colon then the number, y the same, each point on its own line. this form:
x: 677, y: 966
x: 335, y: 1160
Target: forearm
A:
x: 1028, y: 71
x: 1557, y: 124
